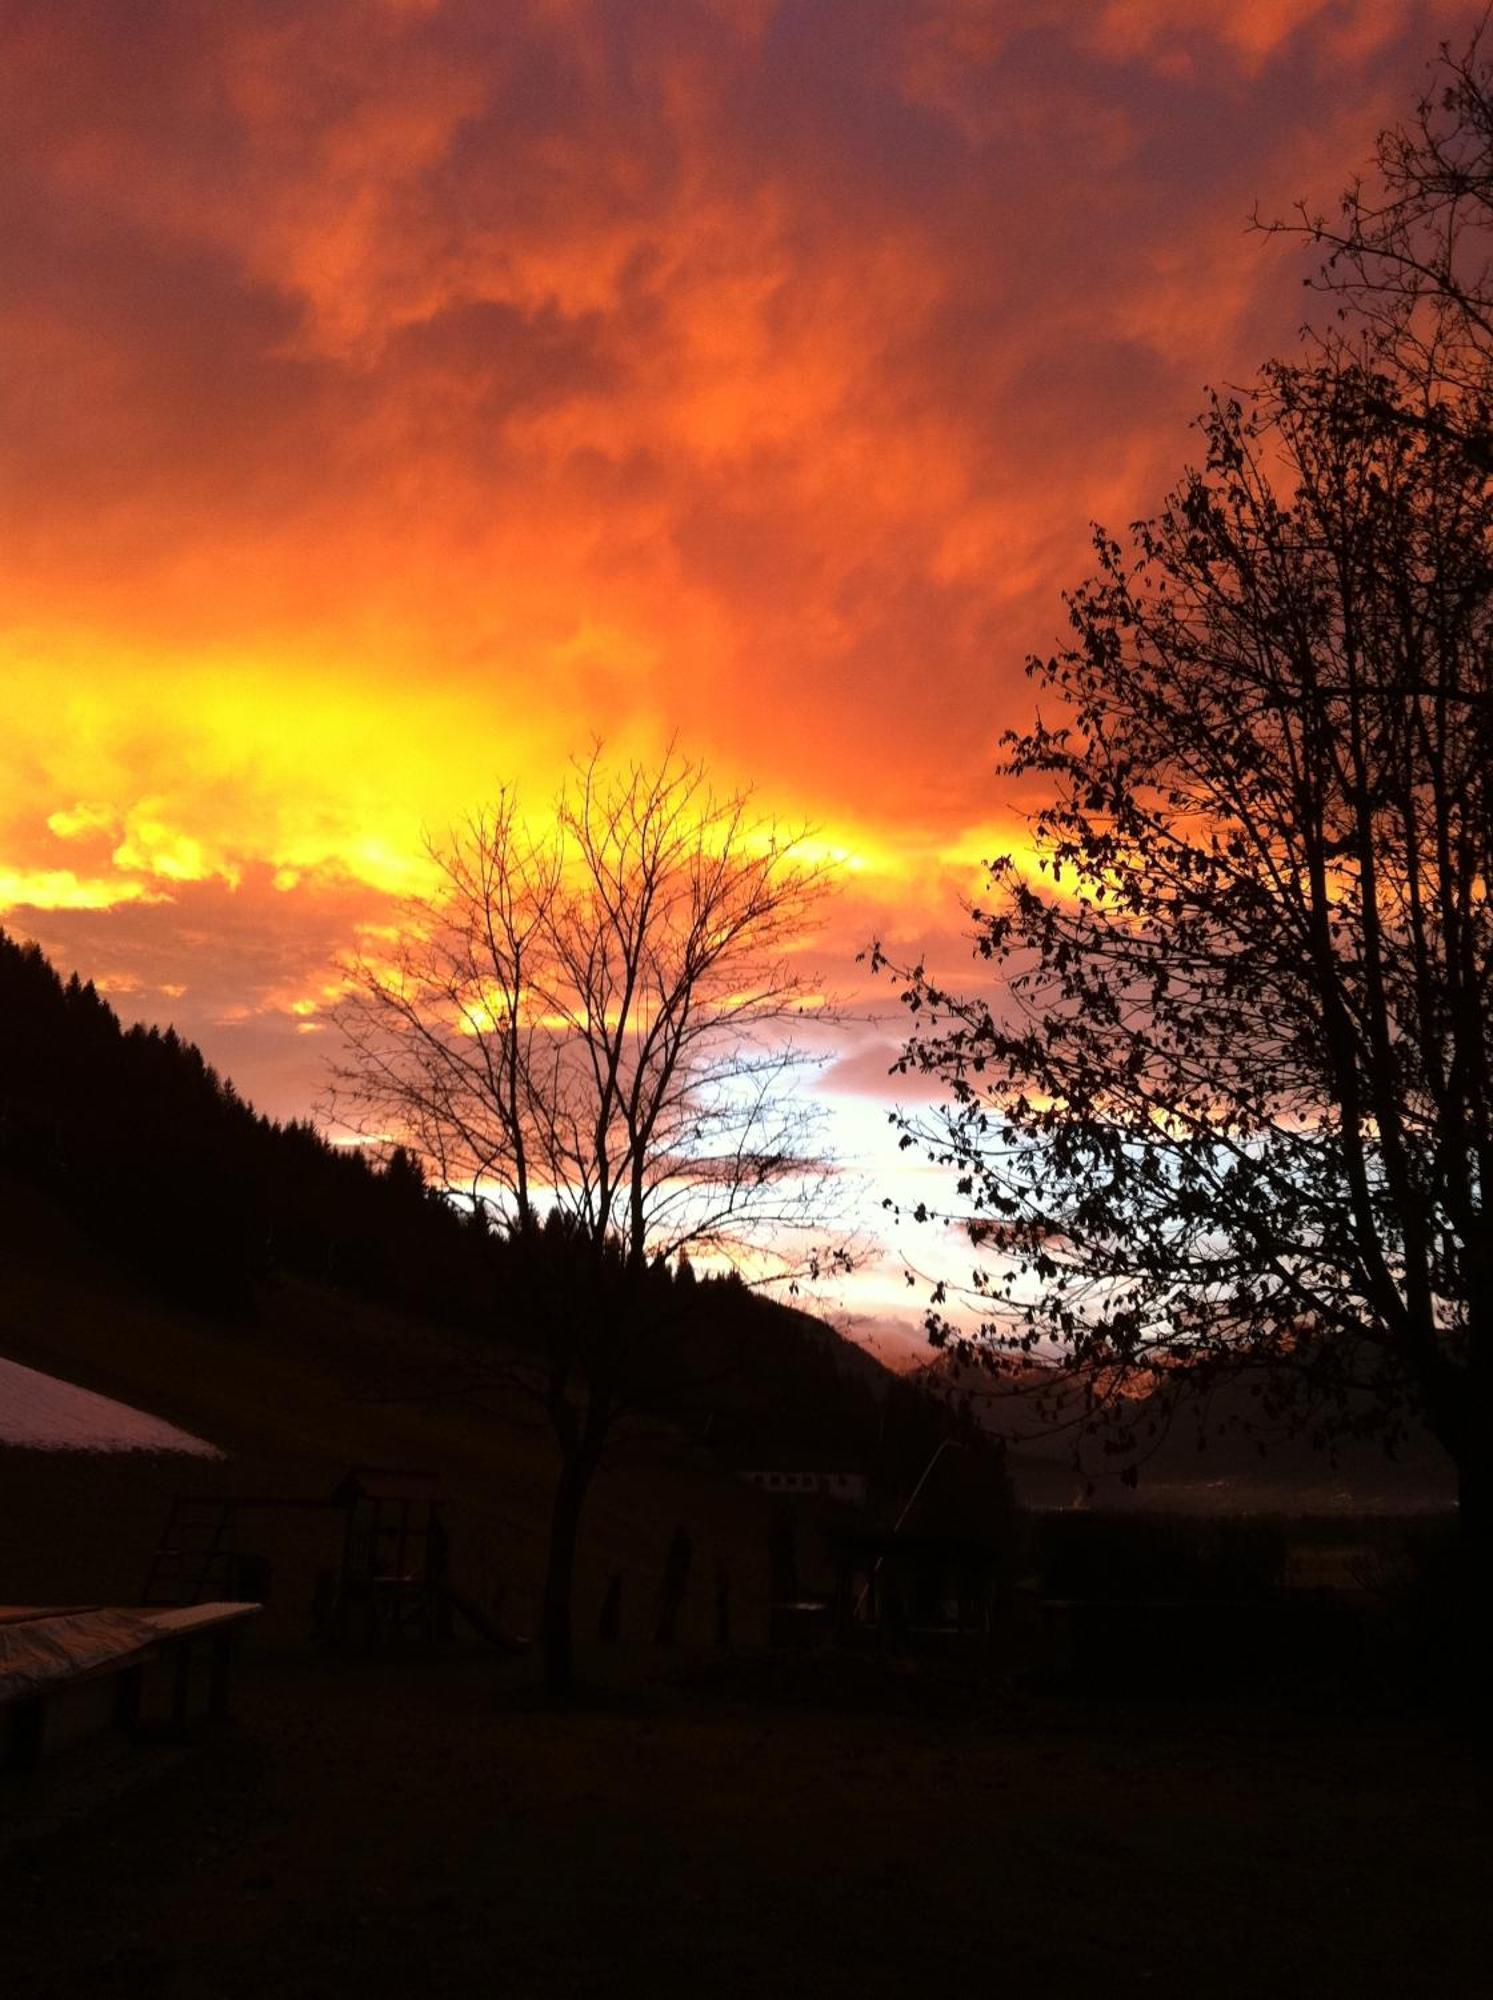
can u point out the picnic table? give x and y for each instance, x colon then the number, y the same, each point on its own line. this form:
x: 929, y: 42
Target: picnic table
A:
x: 68, y: 1670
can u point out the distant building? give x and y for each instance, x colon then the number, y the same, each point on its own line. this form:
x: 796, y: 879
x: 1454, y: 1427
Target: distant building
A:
x: 803, y: 1482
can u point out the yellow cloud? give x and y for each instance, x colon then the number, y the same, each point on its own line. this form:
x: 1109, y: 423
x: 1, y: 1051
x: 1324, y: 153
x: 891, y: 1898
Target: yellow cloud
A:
x: 61, y: 889
x: 153, y: 847
x: 86, y: 817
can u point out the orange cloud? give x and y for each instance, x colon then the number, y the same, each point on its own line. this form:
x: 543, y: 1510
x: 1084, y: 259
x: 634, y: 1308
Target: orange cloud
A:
x: 393, y: 396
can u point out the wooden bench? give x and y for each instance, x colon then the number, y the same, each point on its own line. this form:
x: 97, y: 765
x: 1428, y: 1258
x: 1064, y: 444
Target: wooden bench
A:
x: 88, y: 1663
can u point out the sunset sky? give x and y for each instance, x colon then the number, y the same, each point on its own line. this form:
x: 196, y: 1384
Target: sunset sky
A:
x: 399, y: 393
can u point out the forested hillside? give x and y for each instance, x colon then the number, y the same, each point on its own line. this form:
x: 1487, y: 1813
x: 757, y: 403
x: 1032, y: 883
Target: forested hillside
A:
x: 138, y: 1140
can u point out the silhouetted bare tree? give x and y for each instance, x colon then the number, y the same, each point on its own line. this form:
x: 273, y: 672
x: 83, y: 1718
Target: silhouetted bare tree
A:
x: 1231, y: 1103
x: 590, y: 1029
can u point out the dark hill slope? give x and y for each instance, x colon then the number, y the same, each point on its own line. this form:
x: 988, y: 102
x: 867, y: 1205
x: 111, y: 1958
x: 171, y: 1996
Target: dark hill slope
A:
x: 304, y: 1307
x: 321, y: 1380
x: 155, y: 1159
x: 1211, y: 1452
x: 135, y: 1137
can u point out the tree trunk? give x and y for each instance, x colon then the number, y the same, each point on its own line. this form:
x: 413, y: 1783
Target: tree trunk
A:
x: 1475, y: 1552
x: 1474, y: 1506
x: 557, y: 1623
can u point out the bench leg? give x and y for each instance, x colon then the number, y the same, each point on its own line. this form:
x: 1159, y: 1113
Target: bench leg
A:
x: 28, y: 1731
x: 222, y: 1667
x: 127, y: 1699
x: 181, y: 1687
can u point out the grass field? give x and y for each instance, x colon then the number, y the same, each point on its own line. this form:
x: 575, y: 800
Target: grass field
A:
x: 425, y: 1828
x: 705, y: 1824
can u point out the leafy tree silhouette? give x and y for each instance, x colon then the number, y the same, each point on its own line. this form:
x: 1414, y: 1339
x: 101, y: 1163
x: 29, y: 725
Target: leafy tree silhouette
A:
x: 1230, y: 1105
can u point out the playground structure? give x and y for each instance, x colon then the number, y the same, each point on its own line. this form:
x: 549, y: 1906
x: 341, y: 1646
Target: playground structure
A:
x: 919, y: 1591
x: 933, y: 1574
x: 391, y: 1585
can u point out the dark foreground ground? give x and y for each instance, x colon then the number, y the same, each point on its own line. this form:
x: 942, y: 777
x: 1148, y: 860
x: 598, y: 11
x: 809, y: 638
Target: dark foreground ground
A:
x: 408, y: 1827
